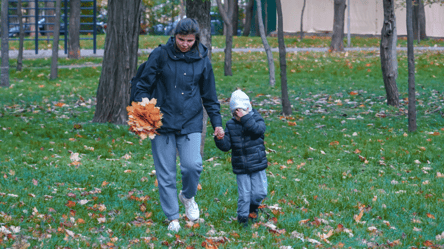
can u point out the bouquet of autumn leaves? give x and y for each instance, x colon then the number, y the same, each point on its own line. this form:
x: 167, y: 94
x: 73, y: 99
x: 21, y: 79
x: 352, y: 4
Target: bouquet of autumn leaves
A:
x: 144, y: 118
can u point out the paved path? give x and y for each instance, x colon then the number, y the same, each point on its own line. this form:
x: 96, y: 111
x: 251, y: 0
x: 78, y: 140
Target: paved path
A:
x: 30, y: 54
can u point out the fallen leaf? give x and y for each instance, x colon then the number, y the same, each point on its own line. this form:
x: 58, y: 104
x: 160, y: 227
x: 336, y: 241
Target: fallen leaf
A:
x: 70, y: 204
x: 334, y: 143
x: 358, y: 217
x: 431, y: 216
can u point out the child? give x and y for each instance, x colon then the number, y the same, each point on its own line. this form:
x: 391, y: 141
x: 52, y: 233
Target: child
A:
x: 244, y: 135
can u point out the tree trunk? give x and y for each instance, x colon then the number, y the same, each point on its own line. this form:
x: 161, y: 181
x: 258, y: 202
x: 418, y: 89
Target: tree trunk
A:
x: 389, y: 62
x: 49, y: 12
x: 248, y: 17
x: 21, y: 36
x: 55, y: 42
x: 5, y: 45
x: 74, y: 30
x: 235, y: 16
x: 228, y: 37
x: 337, y: 40
x: 302, y: 20
x: 419, y: 22
x: 200, y: 11
x: 119, y: 61
x: 266, y: 45
x: 286, y: 107
x: 411, y: 68
x: 182, y: 12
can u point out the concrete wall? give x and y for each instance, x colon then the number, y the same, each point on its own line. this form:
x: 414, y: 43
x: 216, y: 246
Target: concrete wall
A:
x: 366, y: 17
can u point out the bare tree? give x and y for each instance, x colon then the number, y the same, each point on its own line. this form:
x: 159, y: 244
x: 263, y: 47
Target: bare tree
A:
x: 74, y: 29
x: 411, y: 68
x: 419, y: 21
x: 55, y: 42
x: 337, y: 40
x: 119, y: 61
x: 21, y: 36
x: 248, y: 17
x: 266, y: 45
x: 389, y: 62
x: 302, y: 20
x: 286, y: 106
x: 235, y: 16
x: 5, y: 46
x: 226, y: 16
x: 200, y: 11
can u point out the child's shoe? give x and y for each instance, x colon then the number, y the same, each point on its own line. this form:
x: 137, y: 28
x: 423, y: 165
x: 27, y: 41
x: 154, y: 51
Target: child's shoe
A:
x: 254, y: 213
x: 174, y: 226
x: 243, y: 221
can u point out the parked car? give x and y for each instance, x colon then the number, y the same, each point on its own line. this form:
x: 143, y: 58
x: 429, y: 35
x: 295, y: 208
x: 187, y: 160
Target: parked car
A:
x: 100, y: 25
x: 158, y: 29
x: 14, y: 31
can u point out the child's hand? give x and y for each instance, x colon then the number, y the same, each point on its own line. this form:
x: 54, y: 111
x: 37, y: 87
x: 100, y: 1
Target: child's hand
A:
x: 219, y: 132
x: 239, y: 113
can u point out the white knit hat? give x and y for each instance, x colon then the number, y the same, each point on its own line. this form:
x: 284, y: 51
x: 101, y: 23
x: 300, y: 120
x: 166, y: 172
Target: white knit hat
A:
x: 239, y: 100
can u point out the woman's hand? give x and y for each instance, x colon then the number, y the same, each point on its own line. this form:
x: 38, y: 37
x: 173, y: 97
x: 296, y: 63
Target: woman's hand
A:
x: 219, y: 132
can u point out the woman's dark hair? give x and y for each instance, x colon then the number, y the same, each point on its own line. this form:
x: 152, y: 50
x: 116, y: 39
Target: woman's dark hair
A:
x: 188, y: 26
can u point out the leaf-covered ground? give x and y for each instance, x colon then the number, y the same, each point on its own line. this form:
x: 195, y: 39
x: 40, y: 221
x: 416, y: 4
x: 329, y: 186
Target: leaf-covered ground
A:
x: 344, y: 171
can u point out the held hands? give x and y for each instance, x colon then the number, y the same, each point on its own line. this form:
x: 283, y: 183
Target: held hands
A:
x: 219, y: 132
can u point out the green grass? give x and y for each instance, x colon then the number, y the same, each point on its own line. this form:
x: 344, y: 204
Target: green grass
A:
x: 317, y: 179
x: 148, y: 41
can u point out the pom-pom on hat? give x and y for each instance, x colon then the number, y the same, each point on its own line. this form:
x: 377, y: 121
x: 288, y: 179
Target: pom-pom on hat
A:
x: 239, y: 100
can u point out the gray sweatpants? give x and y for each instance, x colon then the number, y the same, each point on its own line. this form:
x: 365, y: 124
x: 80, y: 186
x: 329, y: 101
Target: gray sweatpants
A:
x: 164, y: 155
x: 252, y: 189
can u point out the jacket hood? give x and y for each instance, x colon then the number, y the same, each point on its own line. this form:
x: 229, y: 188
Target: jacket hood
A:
x: 192, y: 55
x: 239, y: 100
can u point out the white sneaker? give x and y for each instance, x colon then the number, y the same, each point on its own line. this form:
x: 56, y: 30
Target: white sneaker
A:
x: 174, y: 226
x: 191, y: 207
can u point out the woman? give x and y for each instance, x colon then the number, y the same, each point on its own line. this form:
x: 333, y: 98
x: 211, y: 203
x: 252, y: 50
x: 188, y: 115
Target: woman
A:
x: 180, y: 76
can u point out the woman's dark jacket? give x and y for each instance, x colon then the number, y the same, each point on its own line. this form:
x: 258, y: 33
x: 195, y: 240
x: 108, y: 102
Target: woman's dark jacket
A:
x: 186, y: 81
x: 246, y: 141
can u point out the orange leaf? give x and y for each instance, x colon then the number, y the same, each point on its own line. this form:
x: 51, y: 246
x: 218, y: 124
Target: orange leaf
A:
x: 334, y: 143
x: 199, y: 187
x: 81, y: 221
x: 353, y: 93
x: 428, y: 243
x: 358, y: 217
x: 431, y: 216
x: 289, y: 161
x: 70, y: 204
x: 75, y: 163
x: 104, y: 183
x: 292, y: 123
x: 357, y: 151
x: 156, y: 183
x: 196, y: 225
x: 60, y: 104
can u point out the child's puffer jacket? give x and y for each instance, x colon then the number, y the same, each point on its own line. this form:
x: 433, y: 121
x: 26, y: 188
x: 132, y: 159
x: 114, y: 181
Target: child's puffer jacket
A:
x: 246, y: 141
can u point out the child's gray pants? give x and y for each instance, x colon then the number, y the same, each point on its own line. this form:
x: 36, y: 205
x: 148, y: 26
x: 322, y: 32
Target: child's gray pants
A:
x: 252, y: 189
x: 164, y: 155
